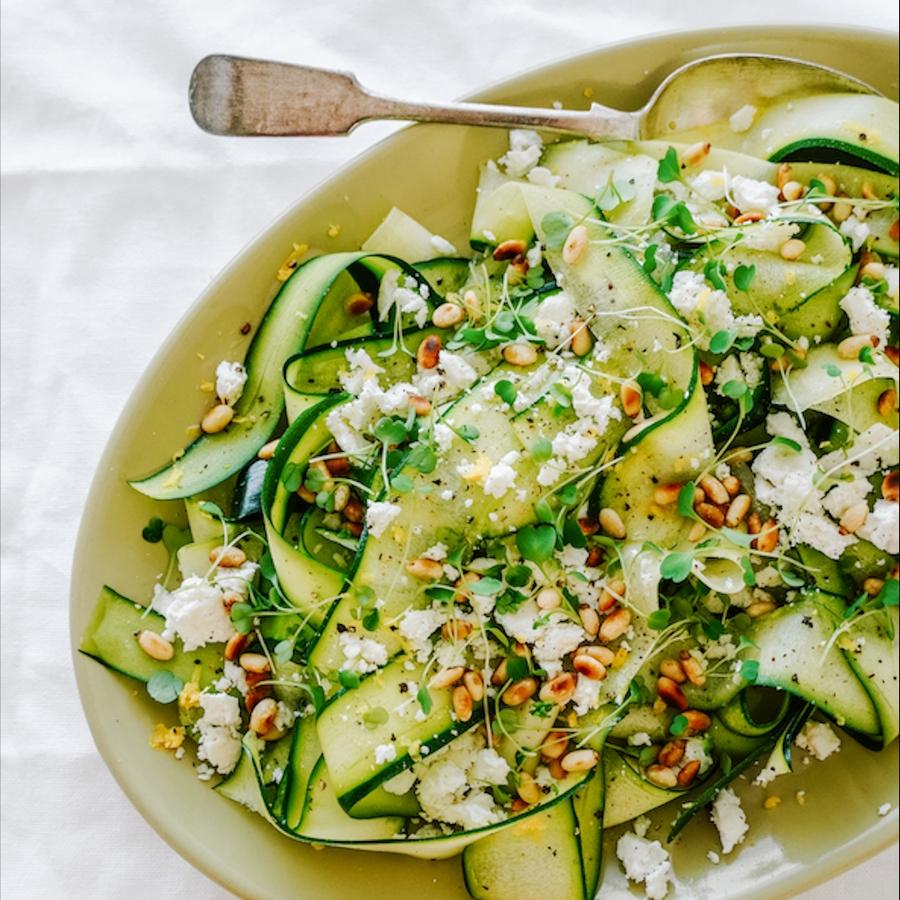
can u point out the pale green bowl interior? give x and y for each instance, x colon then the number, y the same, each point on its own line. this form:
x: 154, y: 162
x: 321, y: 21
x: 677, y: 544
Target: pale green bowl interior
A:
x: 429, y: 171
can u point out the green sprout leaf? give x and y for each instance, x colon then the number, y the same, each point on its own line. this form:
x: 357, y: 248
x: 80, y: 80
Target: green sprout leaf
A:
x: 486, y: 587
x: 781, y: 441
x: 669, y: 168
x: 659, y: 619
x: 679, y: 725
x: 468, y: 432
x: 536, y: 542
x: 677, y: 566
x: 721, y: 341
x: 714, y: 272
x: 348, y: 679
x: 735, y: 389
x: 556, y: 227
x: 164, y: 686
x: 283, y: 651
x: 506, y: 391
x: 153, y: 530
x: 743, y: 277
x: 650, y: 383
x: 389, y: 431
x: 650, y: 263
x: 516, y: 667
x: 750, y: 670
x: 686, y: 500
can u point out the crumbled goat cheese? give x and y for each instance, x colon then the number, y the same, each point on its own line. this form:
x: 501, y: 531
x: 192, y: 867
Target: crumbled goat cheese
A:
x: 586, y: 696
x: 754, y: 196
x: 443, y: 436
x: 866, y: 317
x: 404, y: 293
x: 450, y: 376
x: 856, y: 231
x: 502, y: 476
x: 437, y: 552
x: 818, y: 739
x: 743, y: 367
x: 875, y: 448
x: 892, y: 277
x: 233, y: 676
x: 697, y: 749
x: 362, y: 370
x: 884, y: 809
x: 729, y: 819
x: 417, y: 626
x: 741, y: 120
x: 553, y: 319
x: 525, y: 148
x: 641, y: 826
x: 543, y: 177
x: 194, y: 612
x: 361, y: 654
x: 442, y: 246
x: 710, y: 185
x: 881, y: 527
x: 230, y: 380
x: 645, y: 861
x: 380, y: 514
x: 218, y: 728
x: 769, y: 235
x: 385, y: 753
x: 639, y: 739
x: 236, y: 580
x: 844, y: 495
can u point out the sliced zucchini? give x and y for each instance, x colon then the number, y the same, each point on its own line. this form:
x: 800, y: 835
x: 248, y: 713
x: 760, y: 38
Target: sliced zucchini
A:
x: 628, y: 793
x: 536, y: 858
x: 500, y: 212
x: 400, y: 235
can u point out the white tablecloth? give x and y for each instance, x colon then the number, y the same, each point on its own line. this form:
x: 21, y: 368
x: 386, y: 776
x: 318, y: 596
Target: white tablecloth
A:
x: 116, y: 213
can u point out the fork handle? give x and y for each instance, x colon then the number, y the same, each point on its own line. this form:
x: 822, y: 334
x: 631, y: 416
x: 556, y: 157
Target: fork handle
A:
x: 232, y: 95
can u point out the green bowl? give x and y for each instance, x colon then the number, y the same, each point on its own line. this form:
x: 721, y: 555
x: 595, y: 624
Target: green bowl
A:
x: 429, y: 171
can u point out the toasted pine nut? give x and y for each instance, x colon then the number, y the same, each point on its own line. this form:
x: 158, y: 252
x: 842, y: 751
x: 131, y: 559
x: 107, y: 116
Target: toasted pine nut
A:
x: 425, y: 569
x: 714, y: 489
x: 509, y: 249
x: 446, y: 677
x: 697, y: 532
x: 341, y: 497
x: 267, y: 451
x: 748, y: 217
x: 262, y: 719
x: 462, y: 703
x: 868, y: 191
x: 697, y: 720
x: 575, y: 245
x: 855, y: 517
x: 783, y: 175
x: 598, y: 652
x: 359, y: 303
x: 754, y: 523
x: 217, y: 419
x: 548, y: 598
x: 420, y: 405
x: 520, y: 691
x: 738, y: 510
x: 155, y: 645
x: 615, y: 625
x: 792, y: 249
x: 559, y: 689
x: 582, y: 339
x: 580, y: 760
x: 710, y: 514
x: 472, y: 304
x: 760, y: 608
x: 520, y: 354
x: 696, y: 153
x: 611, y: 522
x: 662, y: 776
x: 850, y: 347
x: 257, y: 663
x: 874, y: 270
x: 589, y: 667
x: 305, y: 494
x: 693, y: 668
x: 353, y: 511
x: 873, y: 586
x: 517, y: 805
x: 672, y: 693
x: 236, y: 645
x: 706, y: 374
x: 830, y: 189
x: 667, y: 494
x: 672, y: 669
x: 462, y: 585
x: 256, y: 695
x: 632, y: 399
x: 456, y: 629
x: 688, y: 773
x: 893, y: 354
x: 792, y: 191
x: 499, y: 675
x: 227, y: 557
x: 732, y: 485
x: 672, y: 753
x: 767, y: 540
x: 588, y: 527
x: 887, y: 402
x: 890, y: 486
x: 555, y: 745
x: 474, y: 684
x: 894, y: 230
x: 447, y: 315
x: 613, y: 592
x: 699, y: 496
x: 429, y: 352
x: 590, y: 621
x: 528, y: 789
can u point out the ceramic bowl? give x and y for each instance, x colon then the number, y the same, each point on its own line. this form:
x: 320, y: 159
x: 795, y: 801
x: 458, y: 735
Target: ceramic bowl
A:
x: 429, y: 171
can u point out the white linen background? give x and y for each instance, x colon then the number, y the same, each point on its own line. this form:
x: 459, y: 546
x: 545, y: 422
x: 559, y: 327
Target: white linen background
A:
x: 117, y: 211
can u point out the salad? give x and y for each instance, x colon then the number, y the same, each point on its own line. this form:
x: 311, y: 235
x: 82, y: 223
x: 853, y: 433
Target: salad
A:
x: 490, y: 552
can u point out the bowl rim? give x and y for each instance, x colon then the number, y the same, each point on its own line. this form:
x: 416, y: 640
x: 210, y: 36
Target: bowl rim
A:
x: 196, y: 852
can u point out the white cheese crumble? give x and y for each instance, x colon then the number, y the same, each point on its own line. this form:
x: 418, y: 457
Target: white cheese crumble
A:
x: 230, y: 380
x: 553, y: 319
x: 865, y: 316
x: 769, y: 235
x: 639, y: 739
x: 741, y: 120
x: 729, y: 819
x: 404, y: 293
x: 449, y: 377
x: 218, y: 729
x: 818, y: 739
x: 362, y: 654
x: 525, y: 148
x: 543, y: 177
x: 437, y: 552
x: 385, y: 753
x: 502, y: 476
x: 363, y: 369
x: 645, y: 861
x: 884, y: 809
x: 741, y: 367
x: 380, y: 514
x: 711, y: 185
x: 194, y: 612
x: 417, y: 626
x: 856, y: 231
x: 754, y: 196
x: 586, y: 696
x: 881, y: 527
